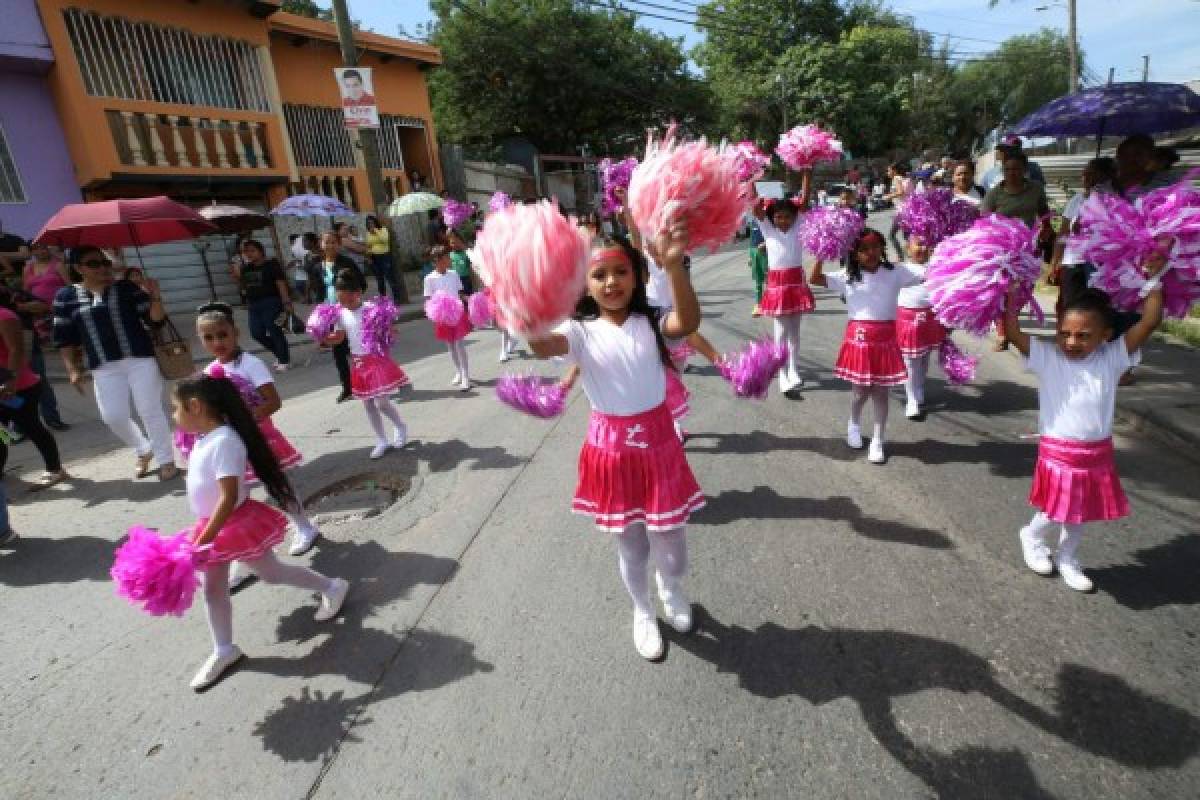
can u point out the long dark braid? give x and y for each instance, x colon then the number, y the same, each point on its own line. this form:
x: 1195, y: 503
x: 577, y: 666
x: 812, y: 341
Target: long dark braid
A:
x: 222, y: 397
x: 853, y: 270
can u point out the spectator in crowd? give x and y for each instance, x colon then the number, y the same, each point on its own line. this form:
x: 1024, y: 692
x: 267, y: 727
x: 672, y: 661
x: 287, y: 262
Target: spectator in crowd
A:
x: 268, y: 298
x: 1163, y: 159
x: 853, y: 176
x: 13, y: 252
x: 379, y: 248
x: 416, y: 181
x: 900, y: 186
x: 945, y: 171
x: 1067, y: 267
x: 333, y: 263
x: 461, y: 262
x: 1138, y: 167
x: 435, y: 228
x: 296, y: 245
x: 964, y: 185
x: 352, y: 247
x: 45, y: 274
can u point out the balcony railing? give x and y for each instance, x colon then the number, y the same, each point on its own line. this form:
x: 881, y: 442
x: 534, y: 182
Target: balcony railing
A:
x: 176, y: 140
x: 320, y: 139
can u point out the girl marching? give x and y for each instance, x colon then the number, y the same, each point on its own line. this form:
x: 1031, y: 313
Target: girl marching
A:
x: 444, y: 279
x: 917, y: 331
x: 787, y: 297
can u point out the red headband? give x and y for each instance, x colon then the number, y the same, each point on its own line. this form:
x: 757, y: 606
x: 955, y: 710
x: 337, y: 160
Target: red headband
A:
x: 605, y: 253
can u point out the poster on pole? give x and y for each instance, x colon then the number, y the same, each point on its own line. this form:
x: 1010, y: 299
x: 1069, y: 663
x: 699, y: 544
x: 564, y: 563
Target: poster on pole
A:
x: 358, y: 97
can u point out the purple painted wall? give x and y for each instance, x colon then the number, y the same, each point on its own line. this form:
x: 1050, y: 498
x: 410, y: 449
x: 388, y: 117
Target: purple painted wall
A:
x: 30, y: 123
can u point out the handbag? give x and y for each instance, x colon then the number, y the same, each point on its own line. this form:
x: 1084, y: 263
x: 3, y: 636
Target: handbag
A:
x: 172, y: 352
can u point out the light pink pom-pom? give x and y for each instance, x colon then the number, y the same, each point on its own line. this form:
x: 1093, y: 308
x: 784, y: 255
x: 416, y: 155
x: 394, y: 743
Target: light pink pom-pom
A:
x: 829, y: 233
x: 499, y: 202
x: 534, y: 260
x: 751, y: 370
x: 479, y: 309
x: 957, y: 365
x: 455, y: 213
x: 689, y: 181
x: 444, y: 308
x: 751, y: 162
x: 805, y: 145
x: 969, y: 274
x: 321, y: 321
x: 539, y: 397
x: 156, y: 572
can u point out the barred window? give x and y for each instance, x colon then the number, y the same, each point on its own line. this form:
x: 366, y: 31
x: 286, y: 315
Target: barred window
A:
x: 389, y: 138
x: 142, y: 61
x: 11, y: 190
x: 319, y: 136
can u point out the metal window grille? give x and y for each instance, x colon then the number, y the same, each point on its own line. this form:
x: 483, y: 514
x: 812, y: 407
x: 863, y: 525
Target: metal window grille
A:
x: 11, y: 190
x: 389, y: 138
x: 319, y: 136
x: 141, y: 61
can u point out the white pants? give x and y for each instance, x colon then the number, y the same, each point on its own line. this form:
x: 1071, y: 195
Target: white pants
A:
x: 139, y: 377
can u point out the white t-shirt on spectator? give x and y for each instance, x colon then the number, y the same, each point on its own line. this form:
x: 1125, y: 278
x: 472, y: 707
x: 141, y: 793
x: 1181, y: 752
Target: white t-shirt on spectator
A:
x: 220, y: 453
x: 1076, y: 397
x: 876, y: 296
x: 620, y: 367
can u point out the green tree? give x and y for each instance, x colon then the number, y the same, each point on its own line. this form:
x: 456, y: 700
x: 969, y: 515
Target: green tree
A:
x: 307, y: 8
x: 560, y: 72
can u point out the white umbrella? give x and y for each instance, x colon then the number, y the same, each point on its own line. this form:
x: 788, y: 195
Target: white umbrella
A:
x: 414, y: 203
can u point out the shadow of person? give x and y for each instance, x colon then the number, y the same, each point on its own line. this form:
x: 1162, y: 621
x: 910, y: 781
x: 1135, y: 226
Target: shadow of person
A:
x: 1096, y: 712
x: 763, y: 502
x: 124, y: 490
x: 1164, y: 575
x: 33, y: 561
x: 1000, y: 397
x: 757, y: 442
x: 447, y: 455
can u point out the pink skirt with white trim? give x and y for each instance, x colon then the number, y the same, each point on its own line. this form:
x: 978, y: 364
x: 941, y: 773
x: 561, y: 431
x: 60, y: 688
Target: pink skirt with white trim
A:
x: 373, y: 375
x: 288, y: 455
x: 787, y: 293
x: 251, y: 530
x: 678, y: 396
x: 917, y: 331
x: 452, y: 333
x: 1076, y: 482
x: 869, y: 355
x: 633, y: 469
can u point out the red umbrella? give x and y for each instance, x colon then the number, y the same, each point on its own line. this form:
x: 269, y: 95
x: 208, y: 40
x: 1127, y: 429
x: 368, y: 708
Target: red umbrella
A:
x: 123, y: 223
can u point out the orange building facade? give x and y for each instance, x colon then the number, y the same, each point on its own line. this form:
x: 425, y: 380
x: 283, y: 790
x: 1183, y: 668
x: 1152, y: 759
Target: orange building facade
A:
x: 228, y: 100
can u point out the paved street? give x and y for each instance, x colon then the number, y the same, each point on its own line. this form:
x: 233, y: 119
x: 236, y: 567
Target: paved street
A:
x: 867, y: 632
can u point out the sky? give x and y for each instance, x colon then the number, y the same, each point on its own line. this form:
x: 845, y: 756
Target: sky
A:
x: 1113, y: 33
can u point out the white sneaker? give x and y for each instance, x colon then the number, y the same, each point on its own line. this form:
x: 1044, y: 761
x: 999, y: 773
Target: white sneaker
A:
x: 676, y: 607
x: 215, y: 667
x: 1072, y: 575
x: 238, y: 575
x: 282, y: 367
x: 504, y: 357
x: 401, y: 437
x: 303, y: 540
x: 457, y: 380
x: 854, y: 436
x: 331, y: 601
x: 378, y: 451
x: 875, y: 452
x: 465, y: 386
x: 646, y: 637
x: 1036, y: 552
x: 912, y: 409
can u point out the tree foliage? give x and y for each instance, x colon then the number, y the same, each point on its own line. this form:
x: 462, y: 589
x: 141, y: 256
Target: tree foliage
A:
x: 307, y: 8
x: 559, y: 72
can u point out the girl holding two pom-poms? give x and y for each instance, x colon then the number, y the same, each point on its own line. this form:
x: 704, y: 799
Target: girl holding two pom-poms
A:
x: 1075, y: 481
x: 634, y: 479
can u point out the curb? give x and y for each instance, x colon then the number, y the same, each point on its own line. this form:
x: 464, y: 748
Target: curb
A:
x: 1163, y: 424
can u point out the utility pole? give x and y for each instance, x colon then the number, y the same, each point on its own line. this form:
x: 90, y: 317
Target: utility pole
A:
x: 1145, y: 68
x: 367, y: 137
x: 1072, y: 47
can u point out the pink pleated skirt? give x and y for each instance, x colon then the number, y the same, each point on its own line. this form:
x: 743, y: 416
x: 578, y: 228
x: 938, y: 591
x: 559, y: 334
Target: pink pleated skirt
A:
x: 869, y: 355
x: 678, y: 396
x: 633, y: 469
x: 251, y: 530
x: 917, y: 331
x: 787, y: 293
x: 1076, y: 482
x: 452, y: 333
x: 373, y: 375
x: 287, y: 455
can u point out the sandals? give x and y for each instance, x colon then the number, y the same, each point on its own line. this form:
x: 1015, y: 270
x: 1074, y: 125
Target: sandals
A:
x: 143, y: 465
x: 48, y: 479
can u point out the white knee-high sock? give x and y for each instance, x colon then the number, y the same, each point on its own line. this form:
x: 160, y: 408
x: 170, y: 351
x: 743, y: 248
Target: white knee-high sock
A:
x: 376, y: 420
x: 912, y: 384
x: 270, y: 569
x: 462, y: 359
x: 794, y: 323
x: 1068, y: 544
x: 1041, y: 527
x: 669, y: 550
x: 858, y: 399
x: 879, y: 407
x: 218, y: 607
x: 388, y: 409
x: 922, y: 372
x: 458, y: 370
x: 633, y: 555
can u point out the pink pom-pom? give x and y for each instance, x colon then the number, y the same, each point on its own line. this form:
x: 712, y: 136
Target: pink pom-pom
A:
x: 158, y: 573
x: 969, y: 274
x: 539, y: 397
x: 377, y: 333
x: 960, y: 216
x: 479, y: 309
x: 957, y: 365
x: 829, y: 233
x: 499, y: 202
x: 751, y: 371
x: 455, y: 213
x: 246, y: 389
x: 805, y: 145
x: 689, y: 181
x: 321, y: 321
x: 534, y: 260
x: 185, y: 441
x: 614, y: 175
x: 751, y: 162
x: 680, y: 353
x: 444, y: 308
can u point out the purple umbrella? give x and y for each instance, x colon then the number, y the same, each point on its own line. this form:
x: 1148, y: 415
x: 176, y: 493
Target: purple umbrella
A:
x: 311, y: 205
x: 1118, y: 109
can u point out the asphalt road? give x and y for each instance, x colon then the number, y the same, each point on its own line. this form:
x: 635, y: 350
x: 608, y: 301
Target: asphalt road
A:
x: 867, y: 631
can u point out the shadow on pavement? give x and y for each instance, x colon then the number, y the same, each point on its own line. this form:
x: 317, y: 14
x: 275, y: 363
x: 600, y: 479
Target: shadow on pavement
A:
x: 440, y: 456
x: 33, y: 561
x: 1164, y: 575
x: 763, y: 502
x: 1094, y: 711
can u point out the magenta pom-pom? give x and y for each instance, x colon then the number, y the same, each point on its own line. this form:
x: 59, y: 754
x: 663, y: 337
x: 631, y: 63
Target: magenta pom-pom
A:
x: 479, y: 309
x: 934, y: 214
x: 957, y: 365
x: 246, y: 389
x: 751, y: 162
x: 377, y: 333
x: 829, y: 233
x: 690, y: 181
x: 455, y: 213
x: 960, y: 216
x: 499, y: 202
x: 444, y: 308
x: 185, y: 441
x: 534, y: 260
x: 751, y: 370
x: 614, y: 175
x: 969, y: 275
x: 539, y: 397
x: 805, y: 145
x: 321, y: 321
x: 156, y: 572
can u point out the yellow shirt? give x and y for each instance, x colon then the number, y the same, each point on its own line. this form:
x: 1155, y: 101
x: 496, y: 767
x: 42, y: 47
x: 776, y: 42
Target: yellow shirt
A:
x: 379, y: 242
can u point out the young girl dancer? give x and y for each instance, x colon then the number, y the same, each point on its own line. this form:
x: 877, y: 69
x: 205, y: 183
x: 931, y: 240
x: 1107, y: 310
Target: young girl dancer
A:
x: 444, y: 279
x: 869, y: 357
x: 1075, y: 480
x: 373, y: 376
x: 219, y: 335
x: 917, y: 331
x: 634, y: 479
x: 229, y: 524
x: 787, y: 297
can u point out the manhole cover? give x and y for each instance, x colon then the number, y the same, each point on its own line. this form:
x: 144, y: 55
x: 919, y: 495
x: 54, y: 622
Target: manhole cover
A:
x: 361, y: 496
